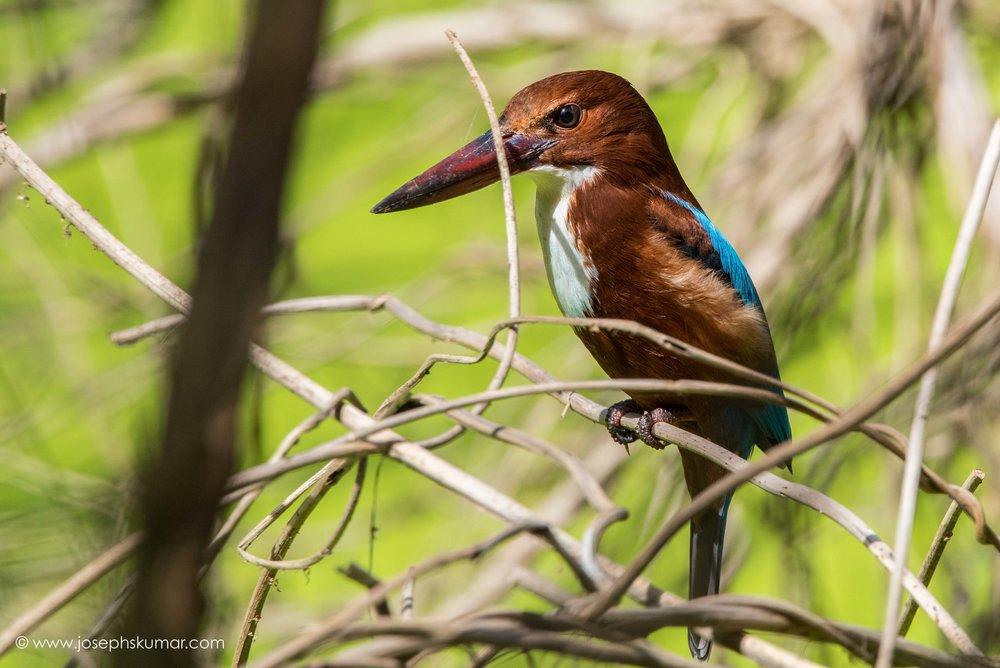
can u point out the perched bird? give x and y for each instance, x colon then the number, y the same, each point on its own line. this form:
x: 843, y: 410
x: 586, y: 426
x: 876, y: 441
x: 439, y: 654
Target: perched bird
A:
x: 623, y: 237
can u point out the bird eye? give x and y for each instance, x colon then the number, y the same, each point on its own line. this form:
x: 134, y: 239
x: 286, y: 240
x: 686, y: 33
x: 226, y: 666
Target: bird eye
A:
x: 567, y: 116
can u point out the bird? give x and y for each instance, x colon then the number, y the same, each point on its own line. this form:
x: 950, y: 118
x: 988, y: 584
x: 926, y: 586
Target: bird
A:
x: 624, y: 237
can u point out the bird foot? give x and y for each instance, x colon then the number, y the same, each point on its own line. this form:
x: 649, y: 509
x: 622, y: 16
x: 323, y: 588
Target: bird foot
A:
x: 643, y: 430
x: 613, y: 421
x: 650, y: 419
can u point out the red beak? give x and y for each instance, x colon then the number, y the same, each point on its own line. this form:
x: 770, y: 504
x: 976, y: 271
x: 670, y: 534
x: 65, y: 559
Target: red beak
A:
x: 471, y: 167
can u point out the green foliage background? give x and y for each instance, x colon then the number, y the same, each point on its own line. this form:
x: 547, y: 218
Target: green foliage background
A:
x: 78, y: 414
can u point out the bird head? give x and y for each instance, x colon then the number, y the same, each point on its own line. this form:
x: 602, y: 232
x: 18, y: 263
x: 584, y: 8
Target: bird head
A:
x: 575, y: 119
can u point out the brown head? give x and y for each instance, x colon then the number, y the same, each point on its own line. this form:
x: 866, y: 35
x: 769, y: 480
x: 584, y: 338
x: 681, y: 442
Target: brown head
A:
x: 586, y: 118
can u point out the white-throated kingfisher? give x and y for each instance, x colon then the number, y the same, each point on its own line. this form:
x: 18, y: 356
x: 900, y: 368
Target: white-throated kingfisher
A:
x: 623, y: 237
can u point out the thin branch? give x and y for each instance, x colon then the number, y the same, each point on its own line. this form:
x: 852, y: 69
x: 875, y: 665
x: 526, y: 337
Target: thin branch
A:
x: 484, y: 344
x: 82, y: 220
x: 407, y: 597
x: 93, y: 571
x: 329, y: 628
x: 335, y: 465
x: 248, y: 498
x: 591, y: 543
x: 139, y: 332
x: 367, y: 580
x: 941, y: 540
x: 508, y: 633
x: 588, y: 485
x: 915, y: 454
x: 300, y: 517
x: 332, y: 472
x: 510, y: 215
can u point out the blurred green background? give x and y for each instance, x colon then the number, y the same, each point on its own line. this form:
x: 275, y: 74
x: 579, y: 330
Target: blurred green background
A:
x: 833, y: 142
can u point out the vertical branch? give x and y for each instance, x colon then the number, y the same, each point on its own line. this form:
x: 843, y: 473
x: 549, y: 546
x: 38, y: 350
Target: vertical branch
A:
x: 186, y: 481
x: 915, y: 452
x: 266, y: 577
x: 940, y: 541
x: 510, y: 215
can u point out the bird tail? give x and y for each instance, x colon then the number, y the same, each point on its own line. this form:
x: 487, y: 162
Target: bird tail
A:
x: 707, y: 532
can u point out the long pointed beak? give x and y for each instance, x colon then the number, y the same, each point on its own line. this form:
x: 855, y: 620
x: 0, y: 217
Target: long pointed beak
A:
x: 471, y: 167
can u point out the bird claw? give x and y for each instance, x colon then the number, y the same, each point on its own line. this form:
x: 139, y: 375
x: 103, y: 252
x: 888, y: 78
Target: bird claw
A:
x: 648, y: 420
x: 613, y: 422
x: 644, y: 428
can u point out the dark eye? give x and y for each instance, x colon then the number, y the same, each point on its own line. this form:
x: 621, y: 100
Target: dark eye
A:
x: 567, y: 116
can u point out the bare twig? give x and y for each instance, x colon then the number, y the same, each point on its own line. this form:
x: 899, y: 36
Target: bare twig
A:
x: 588, y: 485
x: 485, y: 347
x: 915, y: 454
x: 407, y: 598
x: 592, y: 541
x: 328, y: 629
x: 93, y: 571
x: 355, y: 572
x: 941, y: 539
x: 248, y: 498
x: 265, y: 579
x: 319, y: 489
x: 510, y: 215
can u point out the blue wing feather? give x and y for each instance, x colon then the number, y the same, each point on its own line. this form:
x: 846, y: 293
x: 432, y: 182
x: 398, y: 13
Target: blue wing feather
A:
x: 732, y: 265
x: 772, y: 419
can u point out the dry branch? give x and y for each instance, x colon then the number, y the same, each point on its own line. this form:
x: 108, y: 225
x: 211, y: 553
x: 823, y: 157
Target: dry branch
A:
x: 915, y: 454
x: 589, y: 409
x: 510, y: 216
x: 68, y: 590
x: 936, y: 551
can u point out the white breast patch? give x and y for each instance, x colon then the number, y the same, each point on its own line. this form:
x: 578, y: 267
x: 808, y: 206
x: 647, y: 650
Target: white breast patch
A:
x: 570, y: 273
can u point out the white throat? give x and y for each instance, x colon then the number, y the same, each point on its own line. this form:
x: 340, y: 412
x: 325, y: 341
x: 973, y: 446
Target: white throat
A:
x: 570, y: 273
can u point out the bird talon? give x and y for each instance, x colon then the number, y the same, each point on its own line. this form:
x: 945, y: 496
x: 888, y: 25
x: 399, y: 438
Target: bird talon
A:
x: 648, y: 420
x: 613, y: 422
x: 643, y: 429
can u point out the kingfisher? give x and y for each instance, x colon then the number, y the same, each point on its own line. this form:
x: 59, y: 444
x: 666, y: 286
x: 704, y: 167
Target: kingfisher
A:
x: 623, y: 237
